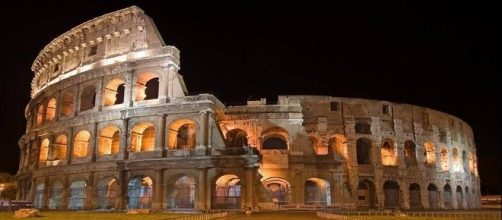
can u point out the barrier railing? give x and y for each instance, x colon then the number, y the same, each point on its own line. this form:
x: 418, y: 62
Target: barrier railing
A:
x: 204, y: 216
x: 358, y: 215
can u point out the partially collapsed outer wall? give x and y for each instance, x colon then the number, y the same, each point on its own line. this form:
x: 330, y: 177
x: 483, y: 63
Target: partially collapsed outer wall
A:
x: 110, y: 126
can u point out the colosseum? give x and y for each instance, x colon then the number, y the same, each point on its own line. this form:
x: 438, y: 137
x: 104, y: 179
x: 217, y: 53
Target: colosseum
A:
x: 111, y: 126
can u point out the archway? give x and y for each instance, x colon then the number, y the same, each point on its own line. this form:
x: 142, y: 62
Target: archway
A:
x: 236, y: 138
x: 444, y: 159
x: 147, y: 86
x: 59, y: 148
x: 81, y: 144
x: 143, y: 137
x: 181, y: 193
x: 363, y: 147
x: 109, y: 140
x: 77, y: 195
x: 40, y: 114
x: 415, y: 196
x: 88, y: 98
x: 67, y: 103
x: 44, y: 151
x: 460, y: 199
x: 433, y: 196
x: 388, y: 153
x: 362, y: 127
x: 106, y: 191
x: 51, y: 110
x: 409, y: 153
x: 391, y: 193
x: 139, y: 191
x: 56, y: 195
x: 39, y: 196
x: 278, y: 189
x: 366, y: 194
x: 275, y: 138
x: 317, y: 192
x: 181, y: 135
x: 447, y: 197
x: 429, y: 153
x: 457, y: 166
x: 468, y: 197
x: 113, y: 92
x: 227, y: 194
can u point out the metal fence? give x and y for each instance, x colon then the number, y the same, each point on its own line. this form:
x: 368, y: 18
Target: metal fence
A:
x: 204, y: 216
x: 356, y: 215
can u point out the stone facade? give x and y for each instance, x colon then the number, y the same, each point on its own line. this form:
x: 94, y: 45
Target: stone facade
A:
x: 110, y: 126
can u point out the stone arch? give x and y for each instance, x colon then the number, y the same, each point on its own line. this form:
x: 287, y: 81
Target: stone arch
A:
x: 51, y: 110
x: 388, y: 153
x: 457, y: 166
x: 44, y: 151
x: 181, y: 134
x: 415, y: 196
x: 275, y: 138
x: 181, y: 192
x: 147, y: 86
x: 391, y: 194
x: 366, y: 194
x: 39, y: 196
x: 362, y: 127
x: 444, y: 159
x: 139, y: 192
x: 77, y: 195
x: 363, y: 151
x: 67, y: 103
x: 40, y: 114
x: 460, y: 197
x: 317, y: 192
x: 429, y: 153
x: 109, y: 140
x: 236, y: 138
x: 81, y: 144
x: 318, y: 145
x: 107, y: 191
x: 113, y: 93
x: 227, y: 192
x: 338, y: 145
x: 447, y: 197
x: 468, y: 197
x: 278, y: 189
x: 59, y: 147
x: 433, y: 195
x: 465, y: 162
x: 143, y: 137
x: 410, y: 156
x: 88, y: 98
x: 56, y: 195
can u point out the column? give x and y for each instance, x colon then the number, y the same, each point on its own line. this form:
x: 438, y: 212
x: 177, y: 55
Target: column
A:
x: 124, y: 150
x: 160, y: 139
x: 90, y: 200
x: 93, y: 142
x: 157, y: 193
x: 201, y: 190
x: 249, y: 187
x: 66, y: 194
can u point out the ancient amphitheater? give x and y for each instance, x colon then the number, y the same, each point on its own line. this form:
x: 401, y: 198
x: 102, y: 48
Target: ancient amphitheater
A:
x: 110, y: 126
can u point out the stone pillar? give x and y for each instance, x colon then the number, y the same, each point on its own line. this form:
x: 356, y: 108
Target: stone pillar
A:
x: 249, y: 187
x: 163, y: 84
x: 160, y: 139
x: 58, y: 106
x: 405, y: 195
x: 297, y: 188
x: 65, y: 193
x: 128, y: 89
x: 69, y: 146
x: 46, y: 194
x: 379, y: 194
x: 93, y: 142
x: 424, y: 195
x: 124, y: 147
x: 158, y: 188
x: 90, y: 201
x: 202, y: 186
x: 122, y: 191
x: 98, y: 101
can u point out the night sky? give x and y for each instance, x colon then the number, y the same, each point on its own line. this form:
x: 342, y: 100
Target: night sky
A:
x: 444, y: 55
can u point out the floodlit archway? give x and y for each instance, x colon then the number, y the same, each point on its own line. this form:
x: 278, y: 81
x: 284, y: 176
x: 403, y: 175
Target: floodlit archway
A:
x: 278, y: 189
x: 181, y: 134
x: 77, y: 195
x: 59, y: 148
x: 429, y: 153
x: 113, y: 93
x: 51, y: 110
x: 457, y: 164
x: 147, y: 86
x: 88, y: 98
x: 409, y: 153
x: 139, y: 191
x: 81, y: 144
x: 107, y: 190
x: 40, y: 114
x: 227, y: 193
x: 236, y: 138
x: 67, y: 103
x: 143, y: 137
x: 444, y: 159
x: 109, y: 140
x: 317, y: 192
x: 181, y: 193
x: 275, y: 138
x: 44, y: 151
x: 389, y: 153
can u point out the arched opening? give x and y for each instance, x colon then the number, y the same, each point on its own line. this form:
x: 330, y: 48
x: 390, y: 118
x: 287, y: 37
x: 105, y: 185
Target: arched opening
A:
x: 415, y: 197
x: 227, y: 194
x: 275, y: 138
x: 40, y: 114
x: 67, y: 103
x: 143, y: 137
x: 429, y: 153
x: 363, y: 146
x: 362, y: 127
x: 147, y: 86
x: 39, y: 196
x: 113, y: 92
x: 365, y: 194
x: 444, y: 159
x: 236, y: 138
x: 391, y: 194
x: 472, y: 166
x: 181, y: 135
x: 88, y: 98
x: 81, y: 144
x: 107, y: 190
x: 389, y: 154
x: 318, y: 145
x: 338, y: 145
x: 181, y: 193
x: 59, y: 148
x: 468, y: 197
x: 139, y: 191
x: 109, y: 140
x: 317, y: 192
x: 44, y: 151
x: 51, y: 109
x: 77, y: 195
x: 433, y: 196
x: 465, y: 162
x: 410, y: 156
x: 457, y: 166
x: 447, y: 197
x: 278, y: 190
x: 460, y: 197
x: 56, y: 196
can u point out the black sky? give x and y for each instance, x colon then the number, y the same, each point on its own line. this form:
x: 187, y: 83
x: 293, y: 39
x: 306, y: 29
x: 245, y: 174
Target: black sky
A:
x: 442, y: 55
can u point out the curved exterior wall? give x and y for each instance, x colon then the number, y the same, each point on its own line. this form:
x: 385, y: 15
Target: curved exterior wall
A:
x: 110, y: 126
